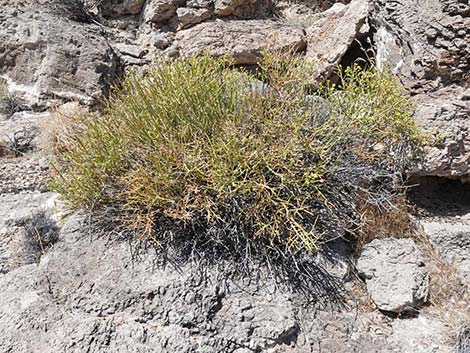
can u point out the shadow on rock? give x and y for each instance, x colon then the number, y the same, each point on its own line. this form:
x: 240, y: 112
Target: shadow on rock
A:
x: 239, y: 259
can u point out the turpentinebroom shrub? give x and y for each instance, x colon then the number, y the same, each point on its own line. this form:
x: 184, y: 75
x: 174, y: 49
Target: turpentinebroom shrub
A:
x: 196, y: 144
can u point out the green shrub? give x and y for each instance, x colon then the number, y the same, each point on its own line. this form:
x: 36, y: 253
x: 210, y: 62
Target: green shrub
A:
x: 198, y: 143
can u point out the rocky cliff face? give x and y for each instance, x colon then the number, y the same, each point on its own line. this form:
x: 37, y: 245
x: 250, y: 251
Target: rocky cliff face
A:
x: 428, y: 47
x: 66, y: 287
x: 45, y: 57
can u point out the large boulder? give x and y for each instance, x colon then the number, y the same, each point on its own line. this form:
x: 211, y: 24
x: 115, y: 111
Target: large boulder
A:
x: 92, y: 294
x: 45, y: 57
x: 243, y: 40
x: 332, y: 33
x: 395, y: 274
x: 428, y: 48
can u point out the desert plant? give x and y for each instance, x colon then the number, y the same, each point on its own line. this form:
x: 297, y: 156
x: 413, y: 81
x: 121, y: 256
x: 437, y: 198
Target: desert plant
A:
x: 191, y: 145
x: 62, y: 128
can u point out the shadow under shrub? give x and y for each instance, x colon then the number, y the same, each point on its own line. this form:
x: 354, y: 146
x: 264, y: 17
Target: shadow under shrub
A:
x: 248, y: 169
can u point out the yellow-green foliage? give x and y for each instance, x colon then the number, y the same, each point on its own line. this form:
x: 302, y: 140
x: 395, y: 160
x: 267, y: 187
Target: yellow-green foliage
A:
x: 192, y: 138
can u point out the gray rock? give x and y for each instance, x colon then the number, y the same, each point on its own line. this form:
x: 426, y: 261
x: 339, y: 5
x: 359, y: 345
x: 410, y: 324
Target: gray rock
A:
x: 395, y: 274
x: 23, y: 174
x: 45, y: 58
x: 433, y: 337
x: 91, y: 294
x: 200, y: 4
x: 159, y: 40
x: 446, y: 117
x: 21, y: 124
x: 416, y: 42
x: 452, y: 240
x: 130, y: 54
x: 244, y: 40
x: 129, y: 50
x: 16, y: 210
x: 304, y: 14
x: 95, y: 293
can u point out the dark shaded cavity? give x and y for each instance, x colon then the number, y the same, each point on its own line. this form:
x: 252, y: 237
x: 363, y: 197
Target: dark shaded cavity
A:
x: 438, y: 196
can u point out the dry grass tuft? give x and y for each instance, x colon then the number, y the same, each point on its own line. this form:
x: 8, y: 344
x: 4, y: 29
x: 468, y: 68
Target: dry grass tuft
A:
x: 61, y: 129
x: 392, y: 219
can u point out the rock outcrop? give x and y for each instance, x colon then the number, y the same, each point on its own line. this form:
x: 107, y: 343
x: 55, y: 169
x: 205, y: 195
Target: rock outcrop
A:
x: 44, y: 57
x: 332, y: 33
x: 159, y: 10
x: 428, y: 47
x: 96, y: 293
x: 116, y: 8
x: 244, y: 40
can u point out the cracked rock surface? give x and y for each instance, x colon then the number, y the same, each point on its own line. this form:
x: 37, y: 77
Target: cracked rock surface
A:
x: 244, y: 40
x: 395, y: 274
x: 90, y: 293
x: 46, y: 57
x: 428, y: 47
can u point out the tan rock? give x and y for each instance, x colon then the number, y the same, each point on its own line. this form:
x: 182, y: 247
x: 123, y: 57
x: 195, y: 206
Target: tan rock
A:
x: 244, y: 40
x: 332, y: 33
